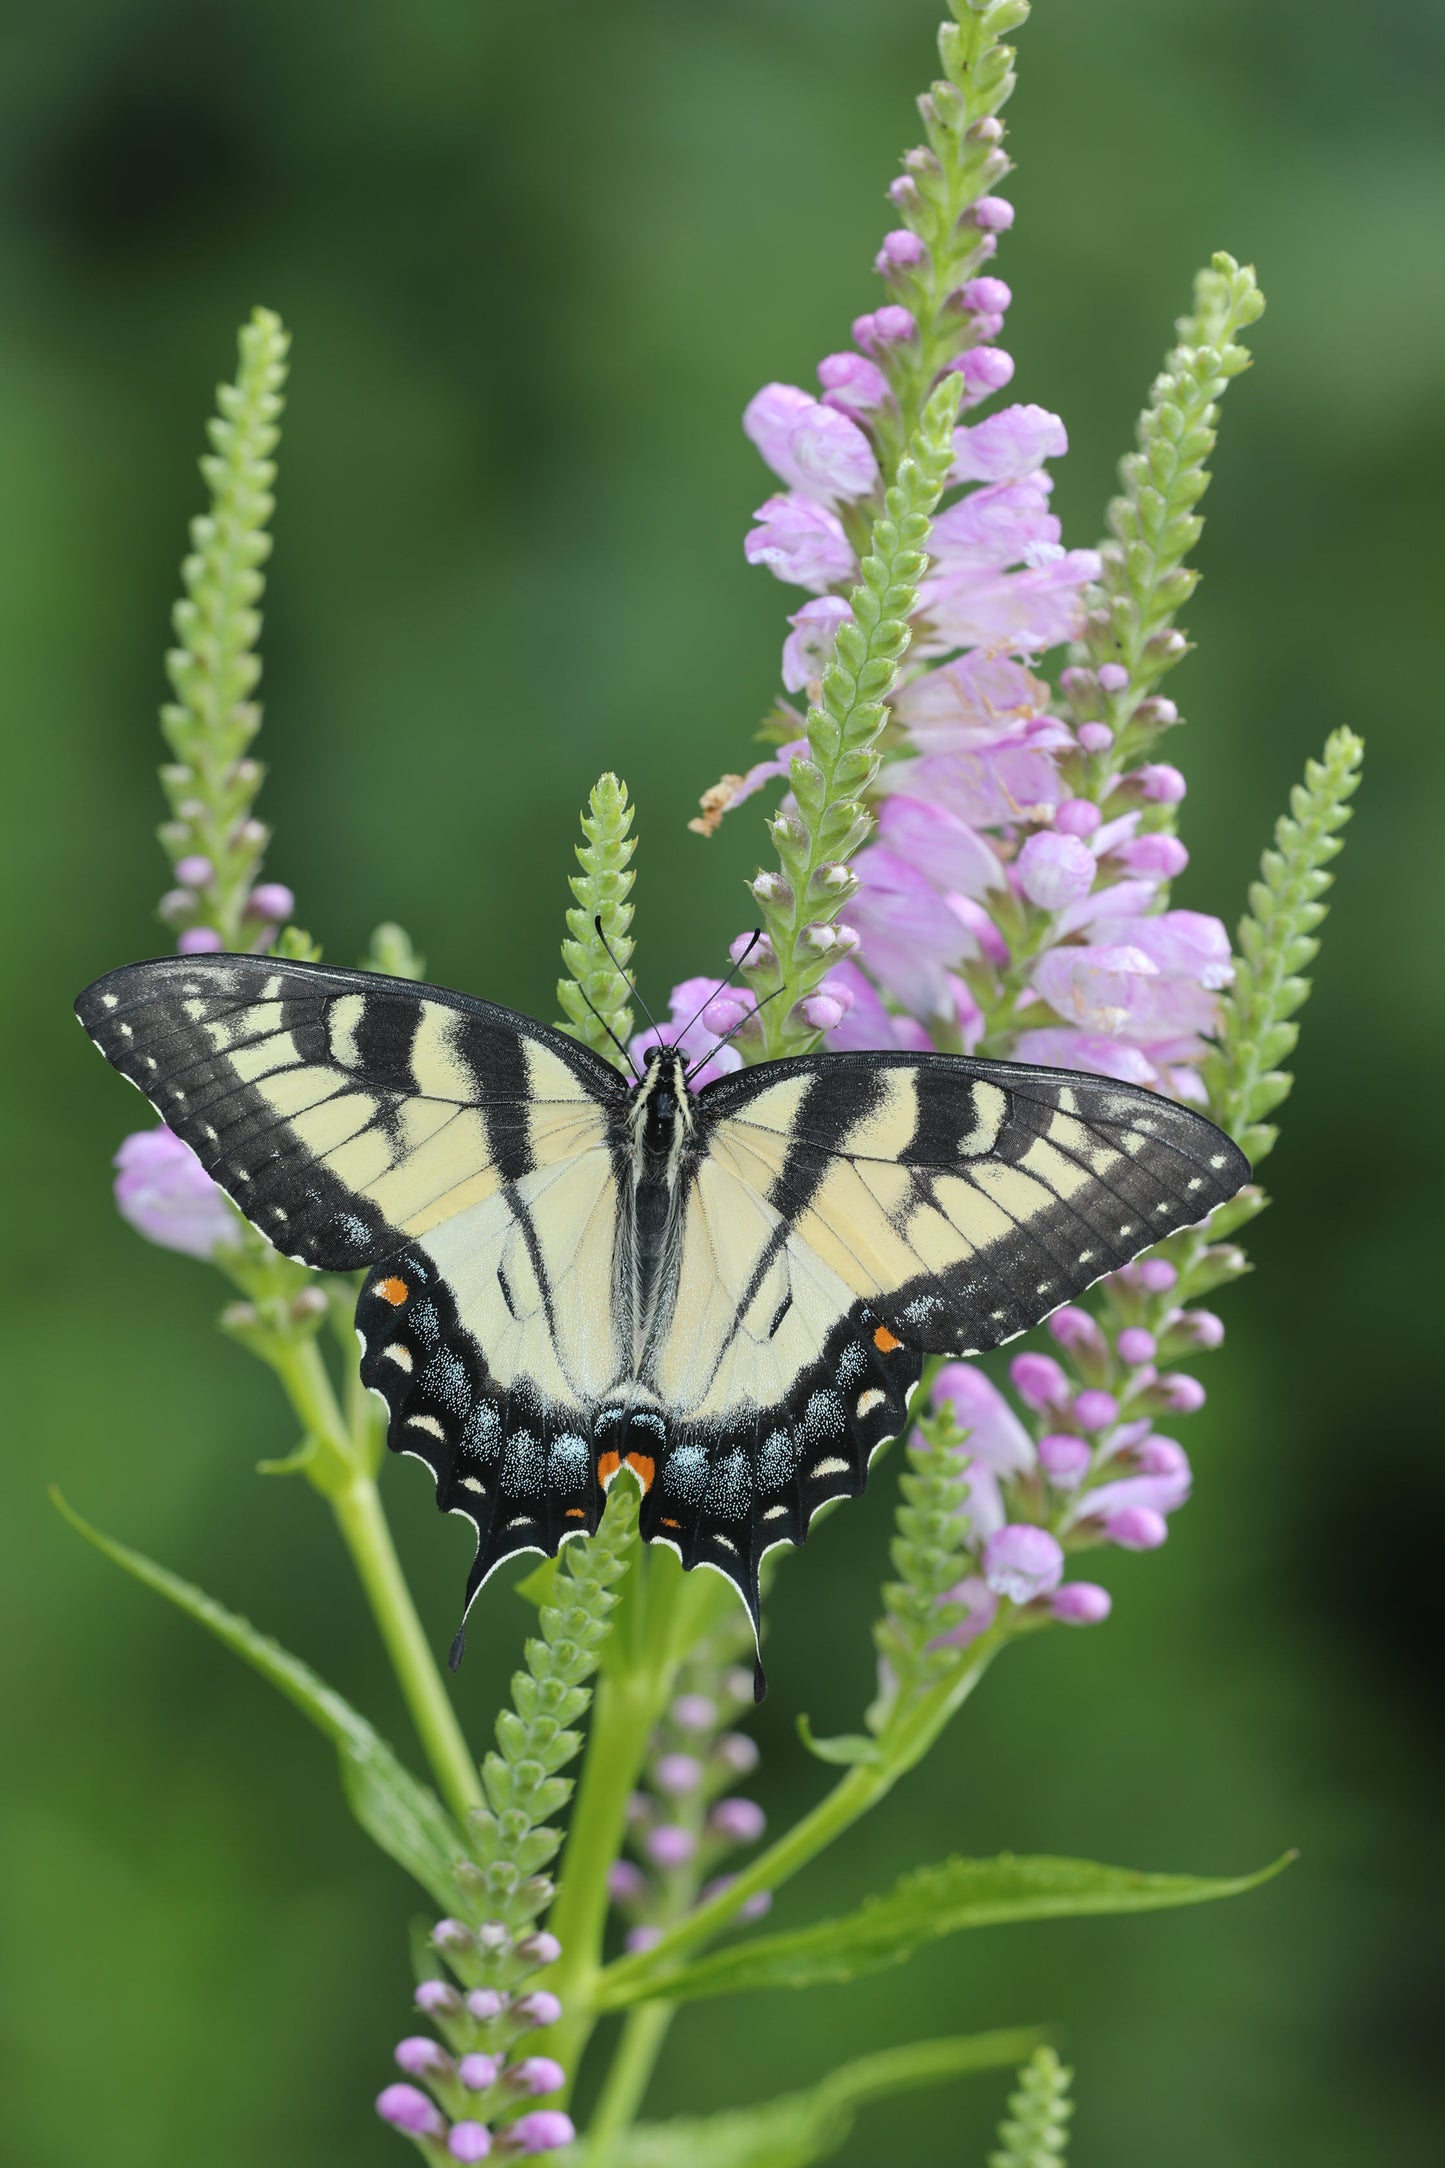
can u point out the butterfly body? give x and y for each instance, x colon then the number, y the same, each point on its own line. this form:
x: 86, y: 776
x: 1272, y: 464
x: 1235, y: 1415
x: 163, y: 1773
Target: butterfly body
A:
x: 730, y: 1292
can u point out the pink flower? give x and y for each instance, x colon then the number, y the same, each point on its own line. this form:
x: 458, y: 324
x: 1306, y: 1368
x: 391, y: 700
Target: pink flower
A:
x: 941, y: 846
x: 700, y: 1012
x: 1021, y: 611
x: 866, y: 1024
x: 1055, y: 870
x: 996, y: 1437
x: 1022, y: 1562
x: 997, y: 788
x: 910, y: 932
x: 1057, y: 1048
x: 801, y: 542
x: 167, y: 1195
x: 812, y: 447
x: 808, y: 649
x: 1009, y: 444
x: 992, y: 528
x: 1095, y: 986
x: 852, y: 382
x: 976, y: 702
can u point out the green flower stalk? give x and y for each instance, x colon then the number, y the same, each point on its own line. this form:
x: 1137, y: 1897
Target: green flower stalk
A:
x: 214, y: 843
x: 1035, y: 2133
x: 598, y: 948
x: 1129, y: 633
x: 800, y: 904
x: 1277, y: 941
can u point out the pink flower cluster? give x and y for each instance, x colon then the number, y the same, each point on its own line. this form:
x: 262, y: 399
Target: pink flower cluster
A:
x: 1016, y: 890
x: 1091, y: 1466
x: 688, y: 1819
x: 475, y: 2083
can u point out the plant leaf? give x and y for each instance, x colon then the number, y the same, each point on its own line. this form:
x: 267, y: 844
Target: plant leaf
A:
x: 801, y: 2127
x: 397, y: 1812
x: 847, y: 1747
x: 923, y: 1906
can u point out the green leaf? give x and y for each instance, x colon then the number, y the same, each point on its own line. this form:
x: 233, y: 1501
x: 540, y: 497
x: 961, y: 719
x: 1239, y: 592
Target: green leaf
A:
x: 848, y: 1747
x: 397, y: 1812
x: 801, y: 2127
x: 923, y: 1906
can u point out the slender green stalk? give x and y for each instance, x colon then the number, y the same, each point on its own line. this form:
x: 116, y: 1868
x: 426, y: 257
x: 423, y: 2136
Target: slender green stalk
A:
x: 593, y: 996
x: 363, y: 1526
x: 634, y: 2059
x: 1153, y: 524
x: 339, y: 1459
x: 211, y: 780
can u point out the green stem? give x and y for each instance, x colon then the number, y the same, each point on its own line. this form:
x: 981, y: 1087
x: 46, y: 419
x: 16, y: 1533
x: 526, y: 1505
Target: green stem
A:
x: 643, y: 2032
x: 364, y: 1529
x: 908, y: 1738
x: 341, y: 1466
x: 661, y: 1614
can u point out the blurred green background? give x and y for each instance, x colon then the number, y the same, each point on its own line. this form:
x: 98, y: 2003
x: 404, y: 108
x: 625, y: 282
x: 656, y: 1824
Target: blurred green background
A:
x: 535, y: 260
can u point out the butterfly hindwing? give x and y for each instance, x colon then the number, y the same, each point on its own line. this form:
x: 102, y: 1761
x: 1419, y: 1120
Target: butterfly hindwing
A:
x: 851, y: 1214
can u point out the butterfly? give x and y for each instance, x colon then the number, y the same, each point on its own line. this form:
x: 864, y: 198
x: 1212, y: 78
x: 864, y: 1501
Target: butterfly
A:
x: 730, y: 1292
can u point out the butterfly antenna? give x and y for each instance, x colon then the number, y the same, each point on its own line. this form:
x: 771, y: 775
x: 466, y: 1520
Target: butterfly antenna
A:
x: 741, y: 1025
x: 628, y: 982
x: 723, y: 984
x: 622, y: 1050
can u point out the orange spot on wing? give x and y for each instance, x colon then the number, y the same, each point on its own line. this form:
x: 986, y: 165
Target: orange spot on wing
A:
x: 393, y: 1291
x: 885, y: 1341
x: 672, y: 1524
x: 607, y: 1467
x: 643, y: 1468
x: 574, y: 1513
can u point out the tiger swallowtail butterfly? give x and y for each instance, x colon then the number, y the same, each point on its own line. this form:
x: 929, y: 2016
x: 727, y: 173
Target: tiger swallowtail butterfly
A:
x: 729, y: 1292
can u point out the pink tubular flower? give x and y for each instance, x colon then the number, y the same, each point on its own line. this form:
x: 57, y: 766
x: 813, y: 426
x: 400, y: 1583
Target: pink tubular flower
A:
x: 1039, y: 1381
x: 1055, y: 870
x: 1009, y: 444
x: 1081, y: 1603
x: 696, y: 1025
x: 1137, y: 1528
x: 852, y: 383
x: 1022, y: 1562
x: 978, y: 702
x: 1023, y: 612
x: 469, y: 2141
x: 544, y: 2131
x: 867, y: 1023
x: 802, y: 542
x: 910, y: 933
x: 990, y: 529
x: 407, y: 2109
x: 995, y: 788
x: 812, y: 447
x: 940, y: 845
x: 995, y: 1437
x: 165, y: 1193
